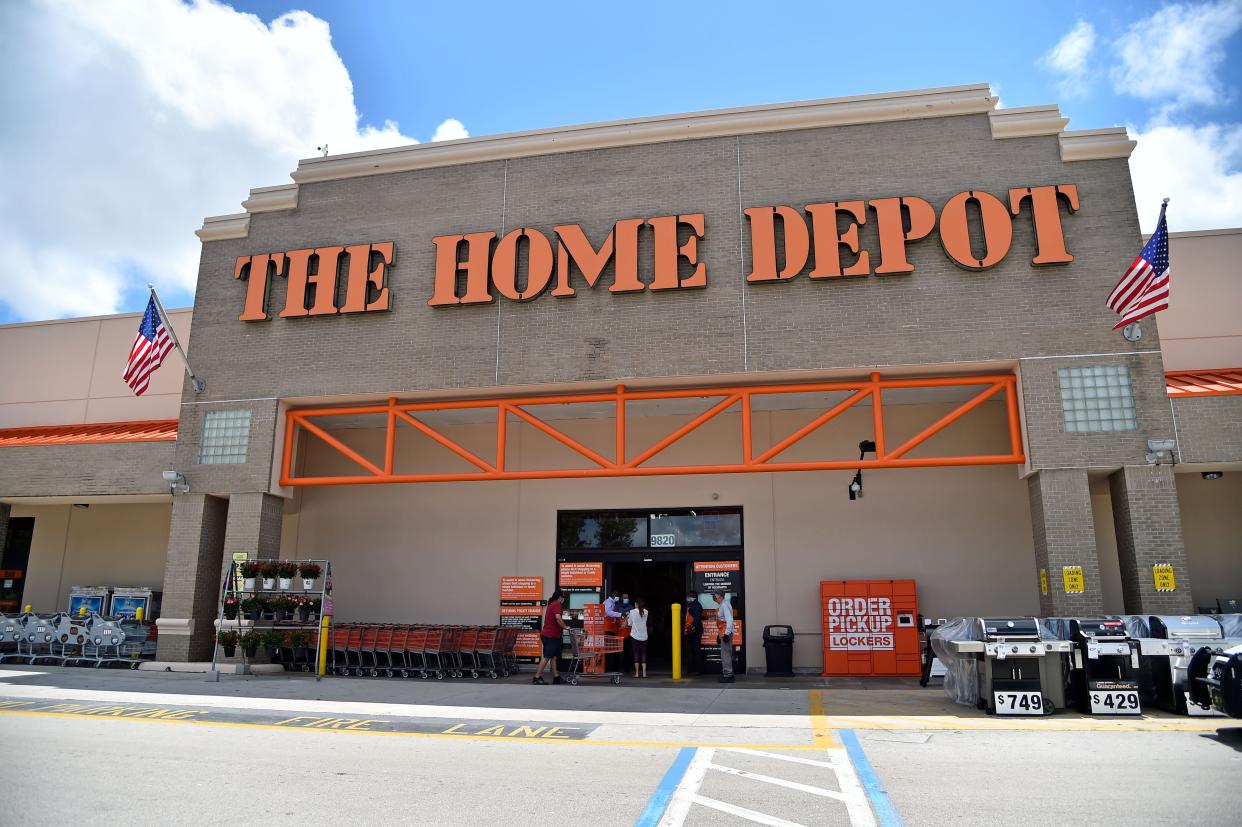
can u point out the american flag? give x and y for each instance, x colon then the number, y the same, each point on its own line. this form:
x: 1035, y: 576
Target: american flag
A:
x: 1144, y: 288
x: 151, y: 345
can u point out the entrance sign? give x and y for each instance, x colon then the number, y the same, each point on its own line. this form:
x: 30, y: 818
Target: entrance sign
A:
x: 718, y: 576
x: 870, y: 627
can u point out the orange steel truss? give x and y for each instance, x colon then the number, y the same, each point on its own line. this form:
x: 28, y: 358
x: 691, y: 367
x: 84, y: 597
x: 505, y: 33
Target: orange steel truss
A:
x: 621, y: 464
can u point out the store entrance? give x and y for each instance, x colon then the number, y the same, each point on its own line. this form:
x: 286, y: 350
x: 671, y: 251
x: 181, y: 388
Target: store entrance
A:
x: 660, y: 584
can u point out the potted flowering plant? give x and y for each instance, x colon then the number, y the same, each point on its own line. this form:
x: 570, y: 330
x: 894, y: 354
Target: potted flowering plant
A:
x: 249, y: 571
x: 285, y: 571
x: 268, y: 570
x: 230, y: 608
x: 253, y: 607
x: 250, y: 643
x: 301, y: 608
x: 309, y: 572
x: 312, y: 604
x: 281, y: 607
x: 227, y: 638
x: 299, y: 640
x: 272, y: 641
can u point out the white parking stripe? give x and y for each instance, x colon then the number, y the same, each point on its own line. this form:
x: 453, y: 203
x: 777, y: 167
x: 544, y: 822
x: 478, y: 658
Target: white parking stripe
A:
x: 780, y: 782
x: 679, y: 807
x: 791, y: 758
x: 742, y: 812
x: 855, y: 796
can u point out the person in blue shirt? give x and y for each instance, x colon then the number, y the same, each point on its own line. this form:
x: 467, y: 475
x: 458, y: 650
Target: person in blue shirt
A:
x: 694, y: 633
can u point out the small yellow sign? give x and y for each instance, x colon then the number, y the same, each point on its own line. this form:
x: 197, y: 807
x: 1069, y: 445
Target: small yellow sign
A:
x: 1073, y: 578
x: 1162, y: 573
x: 1043, y: 581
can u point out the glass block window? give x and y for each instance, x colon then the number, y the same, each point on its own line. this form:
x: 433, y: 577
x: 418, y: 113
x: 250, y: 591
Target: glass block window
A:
x: 1097, y: 398
x: 225, y: 437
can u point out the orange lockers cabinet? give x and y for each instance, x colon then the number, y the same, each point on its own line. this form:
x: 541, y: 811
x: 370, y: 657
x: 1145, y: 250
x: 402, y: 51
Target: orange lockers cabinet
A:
x: 870, y: 627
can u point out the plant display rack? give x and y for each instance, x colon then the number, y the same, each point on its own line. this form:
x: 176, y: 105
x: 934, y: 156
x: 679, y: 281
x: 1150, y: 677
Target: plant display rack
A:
x: 238, y: 588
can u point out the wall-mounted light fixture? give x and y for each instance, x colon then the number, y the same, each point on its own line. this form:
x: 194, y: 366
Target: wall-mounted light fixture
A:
x: 176, y: 482
x: 1213, y: 475
x: 856, y: 487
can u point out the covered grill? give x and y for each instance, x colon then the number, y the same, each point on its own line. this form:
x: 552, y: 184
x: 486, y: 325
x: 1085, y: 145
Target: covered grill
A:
x: 1020, y: 671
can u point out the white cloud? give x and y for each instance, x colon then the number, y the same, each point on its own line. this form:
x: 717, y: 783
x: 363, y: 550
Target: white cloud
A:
x: 126, y: 122
x: 450, y: 130
x: 1196, y: 167
x: 1069, y: 57
x: 1176, y: 52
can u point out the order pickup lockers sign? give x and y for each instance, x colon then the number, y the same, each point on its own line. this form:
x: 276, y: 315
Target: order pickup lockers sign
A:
x: 869, y: 627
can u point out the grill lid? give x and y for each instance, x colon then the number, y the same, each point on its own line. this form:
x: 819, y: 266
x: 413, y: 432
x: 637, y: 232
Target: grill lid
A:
x: 1185, y: 626
x: 1010, y: 628
x: 1099, y: 628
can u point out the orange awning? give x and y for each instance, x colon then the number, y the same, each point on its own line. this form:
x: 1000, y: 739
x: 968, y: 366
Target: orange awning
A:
x: 150, y: 430
x: 1204, y: 382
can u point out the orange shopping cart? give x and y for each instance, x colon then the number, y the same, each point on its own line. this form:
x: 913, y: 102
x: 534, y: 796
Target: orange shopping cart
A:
x: 586, y: 656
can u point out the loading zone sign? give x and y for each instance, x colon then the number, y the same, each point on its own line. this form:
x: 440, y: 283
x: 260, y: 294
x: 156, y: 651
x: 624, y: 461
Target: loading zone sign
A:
x: 860, y: 624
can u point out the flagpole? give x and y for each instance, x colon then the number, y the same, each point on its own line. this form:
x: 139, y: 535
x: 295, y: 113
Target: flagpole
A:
x: 199, y: 384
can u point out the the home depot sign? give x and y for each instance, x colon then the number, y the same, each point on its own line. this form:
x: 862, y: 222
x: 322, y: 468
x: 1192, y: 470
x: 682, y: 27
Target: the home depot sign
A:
x: 860, y: 623
x: 975, y: 229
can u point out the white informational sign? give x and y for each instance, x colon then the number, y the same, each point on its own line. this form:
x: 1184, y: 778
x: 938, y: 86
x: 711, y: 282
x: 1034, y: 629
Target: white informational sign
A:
x: 860, y: 624
x: 663, y: 540
x: 1114, y: 702
x: 1018, y: 703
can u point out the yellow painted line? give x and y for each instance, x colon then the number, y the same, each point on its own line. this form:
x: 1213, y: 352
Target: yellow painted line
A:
x: 435, y: 735
x: 929, y: 722
x: 821, y: 730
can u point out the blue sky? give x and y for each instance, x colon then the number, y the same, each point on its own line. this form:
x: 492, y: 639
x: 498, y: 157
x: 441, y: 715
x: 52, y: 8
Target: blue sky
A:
x: 497, y: 70
x: 127, y: 121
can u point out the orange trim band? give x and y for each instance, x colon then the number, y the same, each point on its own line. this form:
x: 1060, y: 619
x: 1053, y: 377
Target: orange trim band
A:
x: 147, y: 430
x: 621, y: 467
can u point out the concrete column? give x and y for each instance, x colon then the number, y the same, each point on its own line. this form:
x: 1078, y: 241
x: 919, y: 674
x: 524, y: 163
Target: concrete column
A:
x: 5, y: 511
x: 192, y: 577
x: 254, y: 525
x: 1064, y: 533
x: 1149, y: 531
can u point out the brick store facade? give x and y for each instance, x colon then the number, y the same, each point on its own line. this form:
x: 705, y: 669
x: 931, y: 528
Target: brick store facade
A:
x: 437, y: 355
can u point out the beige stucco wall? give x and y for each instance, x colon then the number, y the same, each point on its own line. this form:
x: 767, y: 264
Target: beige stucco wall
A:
x: 68, y: 371
x: 434, y: 552
x: 1202, y: 328
x: 104, y: 545
x: 1212, y: 527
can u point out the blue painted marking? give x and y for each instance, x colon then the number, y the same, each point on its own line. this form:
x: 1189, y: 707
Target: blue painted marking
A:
x: 668, y: 785
x: 885, y: 812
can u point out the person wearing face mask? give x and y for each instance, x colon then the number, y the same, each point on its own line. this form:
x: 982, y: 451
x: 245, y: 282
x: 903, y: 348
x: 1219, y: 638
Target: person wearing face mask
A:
x: 693, y: 632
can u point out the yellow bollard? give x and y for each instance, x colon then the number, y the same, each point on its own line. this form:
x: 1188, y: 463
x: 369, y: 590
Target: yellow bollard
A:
x: 676, y: 624
x: 138, y: 614
x: 324, y: 623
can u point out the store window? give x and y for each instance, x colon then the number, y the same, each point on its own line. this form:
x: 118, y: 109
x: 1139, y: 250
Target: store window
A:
x: 648, y: 529
x: 226, y: 434
x: 1097, y: 398
x: 600, y: 529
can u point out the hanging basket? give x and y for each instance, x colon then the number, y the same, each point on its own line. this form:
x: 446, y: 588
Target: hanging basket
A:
x: 269, y: 583
x: 308, y: 584
x: 250, y: 651
x: 247, y: 584
x: 229, y: 651
x: 230, y: 611
x: 286, y: 582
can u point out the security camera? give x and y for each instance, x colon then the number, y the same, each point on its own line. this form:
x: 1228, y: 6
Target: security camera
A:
x: 176, y: 482
x: 1161, y: 444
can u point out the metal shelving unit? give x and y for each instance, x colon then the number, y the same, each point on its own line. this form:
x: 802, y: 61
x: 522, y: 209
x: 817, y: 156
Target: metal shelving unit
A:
x: 234, y: 586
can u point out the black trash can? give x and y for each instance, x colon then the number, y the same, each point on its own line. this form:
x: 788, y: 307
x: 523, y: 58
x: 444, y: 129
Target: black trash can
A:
x: 778, y: 643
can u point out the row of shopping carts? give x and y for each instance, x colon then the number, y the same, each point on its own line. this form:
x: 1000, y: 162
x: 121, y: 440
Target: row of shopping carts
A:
x: 424, y: 651
x: 75, y: 640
